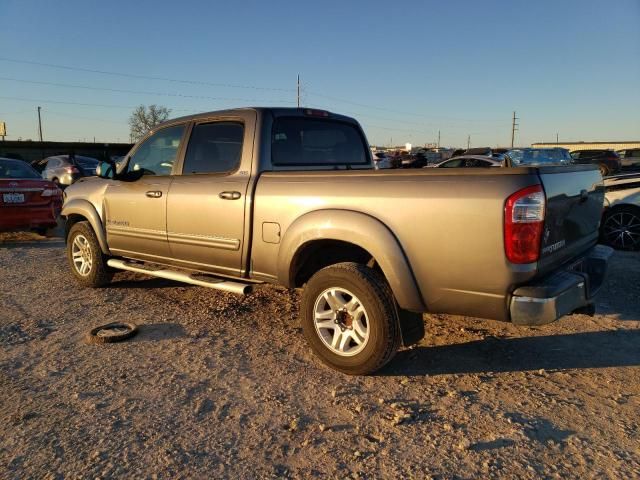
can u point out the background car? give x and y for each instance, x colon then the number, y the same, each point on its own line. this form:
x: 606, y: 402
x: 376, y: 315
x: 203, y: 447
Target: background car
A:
x: 469, y: 161
x: 66, y: 169
x: 537, y: 157
x: 629, y: 157
x: 26, y: 200
x: 620, y: 226
x: 607, y: 160
x: 380, y: 160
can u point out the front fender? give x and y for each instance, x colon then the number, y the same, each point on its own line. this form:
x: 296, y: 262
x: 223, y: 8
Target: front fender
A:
x: 85, y: 209
x: 361, y: 230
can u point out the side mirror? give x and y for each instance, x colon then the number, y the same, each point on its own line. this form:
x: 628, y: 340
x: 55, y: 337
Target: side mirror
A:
x: 106, y: 169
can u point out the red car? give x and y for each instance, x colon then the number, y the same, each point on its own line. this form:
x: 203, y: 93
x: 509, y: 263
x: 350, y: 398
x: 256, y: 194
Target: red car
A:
x: 27, y: 202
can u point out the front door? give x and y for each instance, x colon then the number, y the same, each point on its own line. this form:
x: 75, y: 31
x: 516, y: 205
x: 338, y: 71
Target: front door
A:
x: 136, y: 205
x: 206, y: 205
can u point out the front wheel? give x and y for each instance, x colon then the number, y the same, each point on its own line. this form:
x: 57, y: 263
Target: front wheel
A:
x: 85, y: 257
x: 349, y: 318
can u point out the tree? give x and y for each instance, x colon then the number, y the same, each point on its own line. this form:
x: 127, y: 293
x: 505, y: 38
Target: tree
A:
x: 143, y: 119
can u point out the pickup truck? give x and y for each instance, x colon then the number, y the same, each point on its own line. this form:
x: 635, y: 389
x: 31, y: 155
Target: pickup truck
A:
x: 288, y: 196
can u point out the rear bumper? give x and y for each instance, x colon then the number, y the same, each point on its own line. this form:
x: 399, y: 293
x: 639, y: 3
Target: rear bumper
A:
x: 561, y: 292
x: 29, y: 217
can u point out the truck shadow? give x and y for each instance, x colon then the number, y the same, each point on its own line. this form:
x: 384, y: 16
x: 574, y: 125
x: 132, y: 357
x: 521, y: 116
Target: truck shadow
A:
x: 619, y: 348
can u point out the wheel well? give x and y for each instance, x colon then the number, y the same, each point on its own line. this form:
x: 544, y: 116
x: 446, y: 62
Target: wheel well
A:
x: 319, y: 254
x: 622, y: 206
x: 71, y: 221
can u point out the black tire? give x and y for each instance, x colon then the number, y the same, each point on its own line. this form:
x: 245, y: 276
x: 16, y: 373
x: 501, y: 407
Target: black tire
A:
x: 42, y: 231
x: 374, y: 294
x: 604, y: 170
x: 620, y: 228
x: 111, y: 333
x: 99, y: 273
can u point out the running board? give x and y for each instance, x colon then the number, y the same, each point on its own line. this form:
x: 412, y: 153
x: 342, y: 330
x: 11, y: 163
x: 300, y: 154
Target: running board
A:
x: 202, y: 280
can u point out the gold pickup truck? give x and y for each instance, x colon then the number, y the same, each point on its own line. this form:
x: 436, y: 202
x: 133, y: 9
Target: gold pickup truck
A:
x: 289, y: 196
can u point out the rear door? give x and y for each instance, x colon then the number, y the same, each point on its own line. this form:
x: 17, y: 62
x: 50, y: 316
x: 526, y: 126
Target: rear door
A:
x: 136, y: 207
x: 575, y: 197
x: 206, y: 206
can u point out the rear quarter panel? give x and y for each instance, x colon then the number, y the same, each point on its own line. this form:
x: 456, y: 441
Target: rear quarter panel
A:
x: 448, y: 223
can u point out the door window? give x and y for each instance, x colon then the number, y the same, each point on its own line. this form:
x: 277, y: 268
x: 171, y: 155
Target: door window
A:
x: 158, y: 153
x: 214, y: 148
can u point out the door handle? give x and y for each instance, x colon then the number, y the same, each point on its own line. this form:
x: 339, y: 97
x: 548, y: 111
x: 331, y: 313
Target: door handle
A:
x: 229, y: 195
x: 154, y: 194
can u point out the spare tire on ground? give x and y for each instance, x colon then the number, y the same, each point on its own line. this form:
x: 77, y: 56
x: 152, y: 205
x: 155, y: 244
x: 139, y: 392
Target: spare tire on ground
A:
x: 111, y: 332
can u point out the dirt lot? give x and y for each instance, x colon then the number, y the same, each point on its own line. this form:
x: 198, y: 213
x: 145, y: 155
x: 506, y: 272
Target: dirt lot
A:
x: 223, y: 386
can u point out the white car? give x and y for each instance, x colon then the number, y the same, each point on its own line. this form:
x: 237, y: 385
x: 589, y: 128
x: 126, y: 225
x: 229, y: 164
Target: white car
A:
x: 380, y: 160
x: 620, y: 226
x: 468, y: 161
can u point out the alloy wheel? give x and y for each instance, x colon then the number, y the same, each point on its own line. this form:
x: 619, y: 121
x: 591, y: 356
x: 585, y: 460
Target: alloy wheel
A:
x: 341, y: 321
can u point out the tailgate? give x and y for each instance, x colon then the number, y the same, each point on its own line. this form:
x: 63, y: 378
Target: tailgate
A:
x: 575, y: 197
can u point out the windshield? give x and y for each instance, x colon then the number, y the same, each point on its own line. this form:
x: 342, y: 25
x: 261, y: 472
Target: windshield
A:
x: 539, y: 157
x: 16, y: 169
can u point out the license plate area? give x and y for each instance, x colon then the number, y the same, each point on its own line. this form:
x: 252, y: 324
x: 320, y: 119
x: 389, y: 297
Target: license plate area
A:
x: 13, y: 197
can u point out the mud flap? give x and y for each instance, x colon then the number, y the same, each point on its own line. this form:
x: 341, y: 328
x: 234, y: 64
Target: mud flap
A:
x: 411, y: 327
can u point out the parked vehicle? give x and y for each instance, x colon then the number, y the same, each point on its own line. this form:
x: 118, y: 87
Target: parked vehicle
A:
x: 417, y: 160
x: 66, y: 169
x: 607, y: 160
x: 380, y: 160
x: 469, y: 161
x: 620, y: 227
x: 537, y: 157
x: 26, y: 200
x: 629, y: 157
x: 289, y: 196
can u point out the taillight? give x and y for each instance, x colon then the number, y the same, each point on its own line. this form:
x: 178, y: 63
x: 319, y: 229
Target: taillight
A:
x: 523, y: 224
x: 72, y: 170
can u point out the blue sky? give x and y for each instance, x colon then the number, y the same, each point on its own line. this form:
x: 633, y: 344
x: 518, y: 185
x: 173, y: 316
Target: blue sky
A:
x: 403, y: 69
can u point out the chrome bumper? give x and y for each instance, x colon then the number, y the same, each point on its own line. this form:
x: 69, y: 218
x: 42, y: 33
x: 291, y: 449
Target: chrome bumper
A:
x: 561, y: 292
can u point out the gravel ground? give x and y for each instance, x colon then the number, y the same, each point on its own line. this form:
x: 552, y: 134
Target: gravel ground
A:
x: 221, y: 386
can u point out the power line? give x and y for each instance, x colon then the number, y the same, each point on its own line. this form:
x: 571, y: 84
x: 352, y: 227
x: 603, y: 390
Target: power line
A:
x: 144, y: 77
x: 37, y: 100
x: 137, y: 92
x: 214, y: 84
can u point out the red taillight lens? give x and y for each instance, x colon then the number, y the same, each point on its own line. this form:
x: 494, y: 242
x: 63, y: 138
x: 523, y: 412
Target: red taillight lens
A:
x: 523, y: 222
x: 72, y: 170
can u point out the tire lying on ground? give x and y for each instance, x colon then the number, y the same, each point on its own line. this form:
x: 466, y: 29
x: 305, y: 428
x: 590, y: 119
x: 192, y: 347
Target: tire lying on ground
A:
x: 111, y: 333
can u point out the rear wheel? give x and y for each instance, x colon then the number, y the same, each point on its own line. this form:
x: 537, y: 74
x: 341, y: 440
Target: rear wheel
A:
x: 85, y: 257
x: 621, y: 228
x: 349, y: 318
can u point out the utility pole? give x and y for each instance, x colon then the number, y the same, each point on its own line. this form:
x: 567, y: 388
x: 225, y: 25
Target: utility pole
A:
x: 468, y: 141
x: 438, y: 138
x: 557, y: 142
x: 39, y: 123
x: 298, y: 90
x: 514, y: 128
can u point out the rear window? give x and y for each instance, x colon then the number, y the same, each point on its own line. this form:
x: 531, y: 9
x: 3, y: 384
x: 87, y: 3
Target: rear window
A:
x: 16, y: 169
x: 531, y: 157
x: 316, y: 142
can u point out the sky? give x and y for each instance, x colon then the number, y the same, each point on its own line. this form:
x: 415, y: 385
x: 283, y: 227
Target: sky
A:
x: 404, y: 69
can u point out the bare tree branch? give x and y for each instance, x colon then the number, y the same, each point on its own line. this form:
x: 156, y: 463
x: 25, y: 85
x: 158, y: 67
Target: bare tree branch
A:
x: 143, y: 119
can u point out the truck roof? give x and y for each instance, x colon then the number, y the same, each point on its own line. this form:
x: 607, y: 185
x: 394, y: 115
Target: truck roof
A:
x: 275, y: 111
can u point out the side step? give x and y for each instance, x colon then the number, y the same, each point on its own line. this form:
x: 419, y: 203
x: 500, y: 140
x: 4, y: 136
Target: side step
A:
x: 202, y: 280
